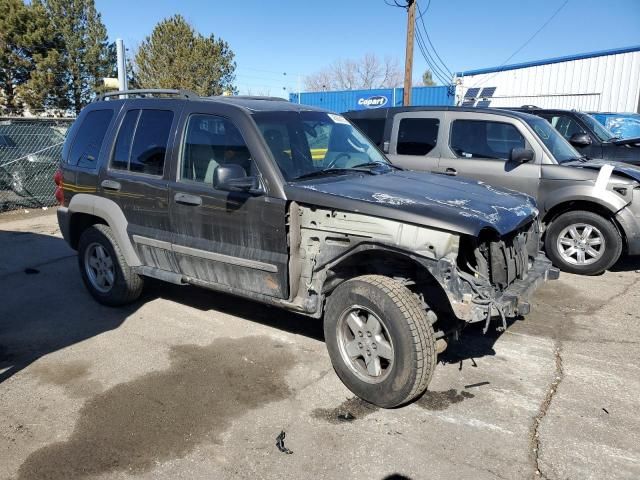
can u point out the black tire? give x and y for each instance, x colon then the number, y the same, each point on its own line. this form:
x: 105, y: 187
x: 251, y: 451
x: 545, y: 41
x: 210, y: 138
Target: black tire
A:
x: 410, y: 334
x: 612, y: 248
x: 126, y: 286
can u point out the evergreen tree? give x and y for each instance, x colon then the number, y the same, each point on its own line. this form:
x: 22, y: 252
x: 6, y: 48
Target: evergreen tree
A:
x: 176, y: 56
x: 427, y: 78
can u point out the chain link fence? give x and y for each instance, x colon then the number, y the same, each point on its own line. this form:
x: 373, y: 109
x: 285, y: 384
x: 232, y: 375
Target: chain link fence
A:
x: 30, y: 150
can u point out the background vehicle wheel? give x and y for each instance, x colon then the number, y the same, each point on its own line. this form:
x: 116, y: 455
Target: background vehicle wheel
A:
x: 380, y: 341
x: 104, y: 269
x: 583, y: 242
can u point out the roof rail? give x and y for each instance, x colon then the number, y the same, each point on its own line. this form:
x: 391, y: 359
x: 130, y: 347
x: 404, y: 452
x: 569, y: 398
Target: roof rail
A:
x: 532, y: 107
x: 143, y: 93
x: 255, y: 97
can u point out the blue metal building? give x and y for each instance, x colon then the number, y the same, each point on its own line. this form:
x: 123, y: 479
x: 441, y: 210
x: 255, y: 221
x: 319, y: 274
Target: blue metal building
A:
x: 342, y: 101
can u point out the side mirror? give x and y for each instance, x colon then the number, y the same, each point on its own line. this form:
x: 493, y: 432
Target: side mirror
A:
x: 580, y: 140
x: 232, y: 177
x: 521, y: 155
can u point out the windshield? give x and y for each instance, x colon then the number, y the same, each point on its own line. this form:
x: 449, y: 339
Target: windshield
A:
x: 601, y: 132
x: 561, y: 150
x: 307, y: 143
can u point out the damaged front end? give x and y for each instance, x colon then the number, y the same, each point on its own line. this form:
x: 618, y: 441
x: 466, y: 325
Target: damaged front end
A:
x: 494, y: 277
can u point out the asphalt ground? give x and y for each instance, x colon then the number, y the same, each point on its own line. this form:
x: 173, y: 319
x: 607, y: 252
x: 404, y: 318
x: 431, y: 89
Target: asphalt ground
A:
x: 191, y: 384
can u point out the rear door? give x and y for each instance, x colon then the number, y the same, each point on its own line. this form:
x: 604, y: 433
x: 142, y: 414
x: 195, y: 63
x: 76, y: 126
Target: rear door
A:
x: 415, y: 140
x: 234, y: 239
x: 479, y: 147
x: 137, y: 177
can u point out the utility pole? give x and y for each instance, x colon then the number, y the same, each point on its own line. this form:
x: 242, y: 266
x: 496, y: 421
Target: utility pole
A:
x: 408, y: 62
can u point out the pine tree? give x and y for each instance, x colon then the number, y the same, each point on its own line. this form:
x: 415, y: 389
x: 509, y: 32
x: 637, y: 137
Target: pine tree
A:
x: 28, y: 53
x: 427, y: 78
x: 85, y: 57
x: 176, y: 56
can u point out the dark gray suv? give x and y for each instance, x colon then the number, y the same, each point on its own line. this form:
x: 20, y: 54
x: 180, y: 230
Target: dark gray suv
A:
x: 292, y: 206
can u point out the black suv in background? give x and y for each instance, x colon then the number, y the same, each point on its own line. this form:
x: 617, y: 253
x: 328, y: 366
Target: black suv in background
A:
x: 588, y: 135
x: 292, y: 206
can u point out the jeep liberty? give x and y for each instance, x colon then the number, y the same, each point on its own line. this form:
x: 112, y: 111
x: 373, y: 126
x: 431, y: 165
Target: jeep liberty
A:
x: 292, y: 206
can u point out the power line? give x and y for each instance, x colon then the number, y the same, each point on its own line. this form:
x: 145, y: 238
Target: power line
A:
x: 435, y: 70
x: 426, y: 32
x: 535, y: 34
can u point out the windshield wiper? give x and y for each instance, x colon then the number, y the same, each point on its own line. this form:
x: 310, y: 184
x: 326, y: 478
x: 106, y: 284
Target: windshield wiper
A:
x: 328, y: 171
x: 376, y: 164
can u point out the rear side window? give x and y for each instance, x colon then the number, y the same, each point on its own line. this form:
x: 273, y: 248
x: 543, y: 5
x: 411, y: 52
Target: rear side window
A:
x: 482, y: 139
x: 142, y: 141
x: 88, y: 140
x: 417, y: 136
x: 372, y: 128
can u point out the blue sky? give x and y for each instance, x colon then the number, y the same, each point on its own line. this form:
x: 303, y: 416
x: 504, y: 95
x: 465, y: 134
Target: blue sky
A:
x: 272, y: 37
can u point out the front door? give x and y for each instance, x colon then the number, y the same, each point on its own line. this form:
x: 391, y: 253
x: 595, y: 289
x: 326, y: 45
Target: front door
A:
x: 480, y: 149
x: 233, y: 239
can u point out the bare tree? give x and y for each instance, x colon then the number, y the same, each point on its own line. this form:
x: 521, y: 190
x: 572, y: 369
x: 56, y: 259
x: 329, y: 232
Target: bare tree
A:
x: 368, y: 72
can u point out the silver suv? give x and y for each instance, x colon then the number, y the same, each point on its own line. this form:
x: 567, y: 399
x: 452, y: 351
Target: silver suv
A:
x: 590, y: 210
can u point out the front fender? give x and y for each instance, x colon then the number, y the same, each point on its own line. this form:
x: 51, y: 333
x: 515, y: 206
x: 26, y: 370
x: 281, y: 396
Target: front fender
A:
x: 553, y: 195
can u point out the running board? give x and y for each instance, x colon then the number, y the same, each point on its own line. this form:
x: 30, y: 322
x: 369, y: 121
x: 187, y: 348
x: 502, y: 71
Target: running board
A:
x: 163, y: 275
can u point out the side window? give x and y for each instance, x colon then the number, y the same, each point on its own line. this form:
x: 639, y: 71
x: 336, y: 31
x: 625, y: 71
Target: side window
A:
x: 417, y: 136
x: 211, y: 141
x: 566, y: 125
x: 88, y: 140
x: 372, y: 128
x: 482, y: 139
x: 142, y: 141
x: 123, y: 142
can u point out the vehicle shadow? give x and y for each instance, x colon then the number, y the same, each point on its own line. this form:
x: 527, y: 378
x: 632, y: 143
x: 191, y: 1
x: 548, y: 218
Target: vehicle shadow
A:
x: 626, y: 264
x: 45, y: 307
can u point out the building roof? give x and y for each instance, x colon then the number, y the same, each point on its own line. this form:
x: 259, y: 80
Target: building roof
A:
x: 566, y: 58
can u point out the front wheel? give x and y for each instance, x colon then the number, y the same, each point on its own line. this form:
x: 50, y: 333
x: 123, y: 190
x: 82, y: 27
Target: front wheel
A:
x: 583, y: 242
x: 380, y: 340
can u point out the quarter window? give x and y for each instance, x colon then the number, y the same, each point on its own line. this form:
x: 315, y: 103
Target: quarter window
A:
x: 417, y: 136
x: 142, y: 142
x: 482, y: 139
x: 211, y: 141
x: 88, y: 142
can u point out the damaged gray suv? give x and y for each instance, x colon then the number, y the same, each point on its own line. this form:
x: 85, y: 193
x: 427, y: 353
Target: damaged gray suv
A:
x: 291, y: 206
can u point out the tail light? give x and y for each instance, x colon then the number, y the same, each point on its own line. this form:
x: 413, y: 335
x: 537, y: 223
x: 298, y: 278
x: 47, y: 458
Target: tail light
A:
x: 58, y: 178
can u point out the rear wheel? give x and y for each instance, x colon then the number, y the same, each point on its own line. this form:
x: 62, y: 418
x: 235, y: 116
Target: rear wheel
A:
x: 104, y: 269
x: 583, y: 242
x: 380, y: 340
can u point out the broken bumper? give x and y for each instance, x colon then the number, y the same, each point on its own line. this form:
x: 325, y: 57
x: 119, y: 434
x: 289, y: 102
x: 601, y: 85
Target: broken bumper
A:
x: 513, y: 301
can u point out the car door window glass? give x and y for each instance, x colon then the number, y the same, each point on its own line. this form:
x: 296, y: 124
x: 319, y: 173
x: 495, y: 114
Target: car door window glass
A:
x: 88, y: 142
x: 211, y: 141
x: 417, y: 136
x: 123, y: 142
x: 484, y: 139
x: 372, y: 128
x: 150, y: 142
x: 566, y: 125
x: 142, y: 141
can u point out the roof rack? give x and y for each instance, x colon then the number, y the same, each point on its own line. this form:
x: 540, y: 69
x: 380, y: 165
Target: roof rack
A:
x: 255, y: 97
x: 144, y: 93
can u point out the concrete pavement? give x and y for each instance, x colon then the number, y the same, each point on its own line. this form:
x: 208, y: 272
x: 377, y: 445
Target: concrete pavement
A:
x: 191, y: 384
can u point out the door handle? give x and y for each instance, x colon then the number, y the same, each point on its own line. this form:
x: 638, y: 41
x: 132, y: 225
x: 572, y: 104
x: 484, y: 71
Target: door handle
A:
x: 450, y: 171
x: 186, y: 199
x: 111, y: 185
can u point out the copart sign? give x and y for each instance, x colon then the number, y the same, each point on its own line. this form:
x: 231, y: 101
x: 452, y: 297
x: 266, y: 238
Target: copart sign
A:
x: 374, y: 101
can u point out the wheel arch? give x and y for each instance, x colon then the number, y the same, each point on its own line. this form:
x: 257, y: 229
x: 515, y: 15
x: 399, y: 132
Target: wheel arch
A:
x: 87, y: 210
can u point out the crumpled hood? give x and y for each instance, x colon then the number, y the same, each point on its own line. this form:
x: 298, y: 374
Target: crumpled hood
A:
x: 439, y: 201
x: 621, y: 168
